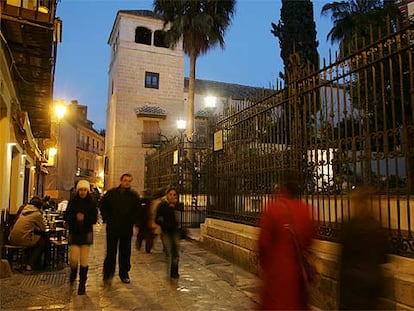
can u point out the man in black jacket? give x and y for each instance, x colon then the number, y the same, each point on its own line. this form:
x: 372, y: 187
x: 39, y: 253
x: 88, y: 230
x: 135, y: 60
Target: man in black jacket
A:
x: 120, y: 208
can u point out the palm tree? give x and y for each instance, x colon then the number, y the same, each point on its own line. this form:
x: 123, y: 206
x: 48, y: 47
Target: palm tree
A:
x: 201, y: 25
x: 357, y: 17
x: 358, y: 23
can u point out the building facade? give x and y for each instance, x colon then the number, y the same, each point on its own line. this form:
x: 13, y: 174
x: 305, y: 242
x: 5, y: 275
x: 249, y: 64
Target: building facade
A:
x: 30, y: 35
x: 79, y: 153
x: 407, y: 8
x: 148, y: 95
x: 90, y: 148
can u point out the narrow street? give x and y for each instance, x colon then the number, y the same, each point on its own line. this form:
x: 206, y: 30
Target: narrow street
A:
x: 207, y: 282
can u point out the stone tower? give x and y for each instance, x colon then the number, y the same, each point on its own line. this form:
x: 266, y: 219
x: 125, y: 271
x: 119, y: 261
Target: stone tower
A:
x: 145, y: 93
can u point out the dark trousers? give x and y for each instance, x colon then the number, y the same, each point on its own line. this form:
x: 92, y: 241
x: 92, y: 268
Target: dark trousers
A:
x: 147, y: 235
x: 114, y: 241
x: 35, y: 253
x: 171, y: 242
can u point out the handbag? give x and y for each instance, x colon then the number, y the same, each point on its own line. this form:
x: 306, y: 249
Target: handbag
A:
x: 307, y: 266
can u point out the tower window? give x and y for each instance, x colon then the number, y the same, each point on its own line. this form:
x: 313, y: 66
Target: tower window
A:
x: 143, y: 35
x: 152, y: 80
x: 159, y: 39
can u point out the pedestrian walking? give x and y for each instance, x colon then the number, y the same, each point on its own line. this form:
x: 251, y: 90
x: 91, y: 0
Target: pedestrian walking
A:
x: 29, y: 230
x: 284, y: 224
x: 158, y: 197
x: 80, y: 216
x: 166, y: 219
x: 364, y: 249
x: 144, y: 224
x: 120, y: 208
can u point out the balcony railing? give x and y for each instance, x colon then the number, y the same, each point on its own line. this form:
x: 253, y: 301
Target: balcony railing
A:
x: 85, y: 172
x: 36, y: 10
x: 83, y: 145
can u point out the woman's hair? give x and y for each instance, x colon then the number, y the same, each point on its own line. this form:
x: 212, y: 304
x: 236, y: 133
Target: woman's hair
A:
x: 291, y: 182
x: 170, y: 188
x: 36, y: 201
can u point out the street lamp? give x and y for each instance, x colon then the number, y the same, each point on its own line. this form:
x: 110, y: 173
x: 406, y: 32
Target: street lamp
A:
x: 210, y: 105
x: 210, y: 102
x: 181, y: 125
x: 60, y: 110
x: 52, y: 152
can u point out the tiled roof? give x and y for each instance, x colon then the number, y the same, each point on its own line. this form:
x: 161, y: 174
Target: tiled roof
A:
x: 202, y: 114
x: 222, y: 89
x: 151, y: 112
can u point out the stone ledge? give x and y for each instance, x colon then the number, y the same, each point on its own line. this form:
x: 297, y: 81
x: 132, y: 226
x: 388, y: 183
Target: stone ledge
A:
x: 234, y: 237
x: 238, y: 244
x: 242, y: 257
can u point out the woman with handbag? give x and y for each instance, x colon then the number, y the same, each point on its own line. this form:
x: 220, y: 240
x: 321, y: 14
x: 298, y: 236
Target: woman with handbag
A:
x: 285, y: 235
x: 80, y: 216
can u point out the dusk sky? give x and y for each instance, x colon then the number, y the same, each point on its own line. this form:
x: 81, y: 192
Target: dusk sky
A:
x: 251, y: 56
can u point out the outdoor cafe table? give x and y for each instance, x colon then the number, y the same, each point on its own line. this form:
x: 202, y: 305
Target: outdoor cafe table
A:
x: 56, y: 252
x: 57, y: 232
x: 52, y: 216
x: 59, y: 223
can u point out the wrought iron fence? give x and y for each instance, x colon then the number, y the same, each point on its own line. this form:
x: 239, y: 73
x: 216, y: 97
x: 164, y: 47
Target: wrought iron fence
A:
x: 349, y: 123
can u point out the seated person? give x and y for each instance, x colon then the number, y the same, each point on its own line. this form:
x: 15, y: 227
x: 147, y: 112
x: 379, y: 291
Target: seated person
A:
x: 46, y: 204
x: 28, y: 231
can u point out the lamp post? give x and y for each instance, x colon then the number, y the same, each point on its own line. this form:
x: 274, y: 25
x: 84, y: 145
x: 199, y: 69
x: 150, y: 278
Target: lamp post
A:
x: 181, y: 126
x: 60, y: 111
x: 210, y: 105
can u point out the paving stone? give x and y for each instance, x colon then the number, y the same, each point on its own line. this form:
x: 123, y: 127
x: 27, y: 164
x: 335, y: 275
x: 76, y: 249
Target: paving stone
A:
x: 207, y: 282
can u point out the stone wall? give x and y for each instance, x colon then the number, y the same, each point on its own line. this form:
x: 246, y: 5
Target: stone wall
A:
x: 238, y: 243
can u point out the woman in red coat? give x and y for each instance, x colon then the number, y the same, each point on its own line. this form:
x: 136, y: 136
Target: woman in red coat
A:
x: 282, y: 285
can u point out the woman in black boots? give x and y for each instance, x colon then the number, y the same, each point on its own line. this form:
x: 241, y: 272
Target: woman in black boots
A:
x: 80, y: 216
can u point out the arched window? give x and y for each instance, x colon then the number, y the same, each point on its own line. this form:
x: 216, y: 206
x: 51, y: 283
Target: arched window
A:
x: 159, y: 39
x: 143, y: 35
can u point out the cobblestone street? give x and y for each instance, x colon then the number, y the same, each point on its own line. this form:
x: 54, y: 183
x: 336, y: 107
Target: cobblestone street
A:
x: 207, y: 282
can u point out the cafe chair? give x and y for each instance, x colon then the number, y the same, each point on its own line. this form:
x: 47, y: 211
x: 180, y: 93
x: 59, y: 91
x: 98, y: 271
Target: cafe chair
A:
x: 16, y: 255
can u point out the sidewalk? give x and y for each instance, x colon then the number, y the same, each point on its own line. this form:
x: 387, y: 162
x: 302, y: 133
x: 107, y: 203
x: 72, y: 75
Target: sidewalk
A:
x: 207, y: 282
